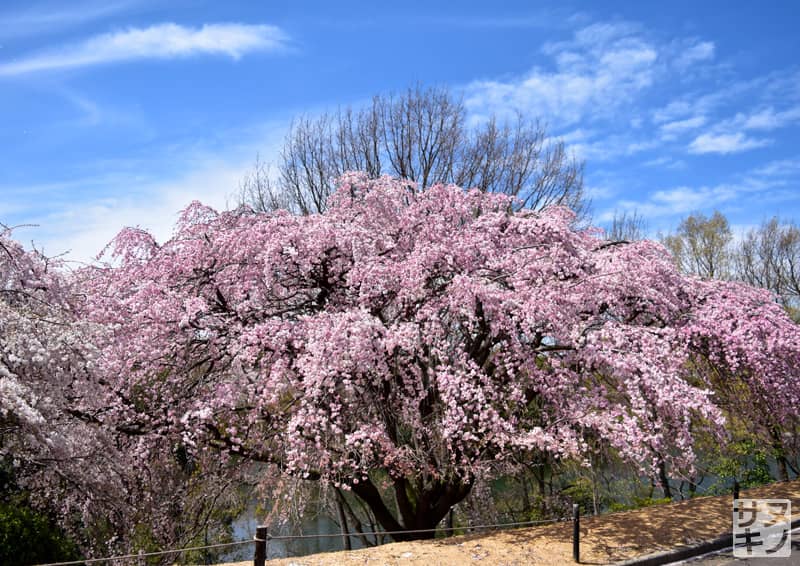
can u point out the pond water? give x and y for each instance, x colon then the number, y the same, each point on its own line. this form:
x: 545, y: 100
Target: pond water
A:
x: 245, y: 528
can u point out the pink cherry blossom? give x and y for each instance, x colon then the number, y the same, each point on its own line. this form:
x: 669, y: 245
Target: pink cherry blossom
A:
x: 431, y: 336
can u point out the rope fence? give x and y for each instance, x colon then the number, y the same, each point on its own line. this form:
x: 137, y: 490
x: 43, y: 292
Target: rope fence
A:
x: 262, y: 538
x: 419, y: 531
x: 154, y: 553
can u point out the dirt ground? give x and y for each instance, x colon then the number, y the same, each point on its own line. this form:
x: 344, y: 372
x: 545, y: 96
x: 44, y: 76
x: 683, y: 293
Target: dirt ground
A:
x: 604, y: 539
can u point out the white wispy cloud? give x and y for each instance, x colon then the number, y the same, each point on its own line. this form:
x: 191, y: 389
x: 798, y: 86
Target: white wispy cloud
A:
x: 598, y: 70
x: 673, y: 129
x: 40, y: 18
x: 751, y: 188
x: 591, y: 85
x: 80, y: 229
x: 670, y: 203
x: 600, y: 191
x: 699, y: 103
x: 161, y: 41
x: 731, y: 135
x: 726, y: 143
x: 780, y: 168
x: 730, y: 126
x: 606, y: 147
x: 685, y: 199
x: 665, y: 161
x: 83, y: 231
x: 695, y: 53
x: 90, y: 113
x: 146, y: 191
x: 603, y: 75
x: 766, y: 118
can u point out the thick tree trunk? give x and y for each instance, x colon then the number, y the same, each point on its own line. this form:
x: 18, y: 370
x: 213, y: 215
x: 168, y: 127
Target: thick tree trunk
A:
x: 663, y: 479
x: 780, y: 454
x: 783, y: 469
x: 343, y: 522
x: 539, y: 476
x: 421, y: 505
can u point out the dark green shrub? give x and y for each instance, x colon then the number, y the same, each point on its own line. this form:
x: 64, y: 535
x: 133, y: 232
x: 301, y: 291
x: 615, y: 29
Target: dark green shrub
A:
x: 29, y: 537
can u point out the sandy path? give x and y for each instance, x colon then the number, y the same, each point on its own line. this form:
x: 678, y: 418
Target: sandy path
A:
x: 604, y: 539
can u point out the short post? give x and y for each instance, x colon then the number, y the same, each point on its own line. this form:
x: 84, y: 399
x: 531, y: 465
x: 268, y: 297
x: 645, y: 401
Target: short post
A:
x: 576, y: 532
x: 735, y: 490
x: 450, y: 531
x: 260, y: 555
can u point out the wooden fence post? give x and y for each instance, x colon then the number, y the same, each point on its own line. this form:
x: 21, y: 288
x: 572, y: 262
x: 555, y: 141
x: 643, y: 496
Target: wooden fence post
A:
x: 576, y: 532
x: 260, y: 555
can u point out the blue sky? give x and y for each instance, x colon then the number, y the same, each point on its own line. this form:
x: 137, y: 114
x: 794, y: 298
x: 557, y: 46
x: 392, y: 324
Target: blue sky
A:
x: 121, y: 113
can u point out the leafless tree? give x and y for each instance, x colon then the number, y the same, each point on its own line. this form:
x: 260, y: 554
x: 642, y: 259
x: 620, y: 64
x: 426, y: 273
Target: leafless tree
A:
x: 701, y: 245
x: 769, y: 257
x: 259, y: 190
x: 627, y: 226
x: 424, y: 135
